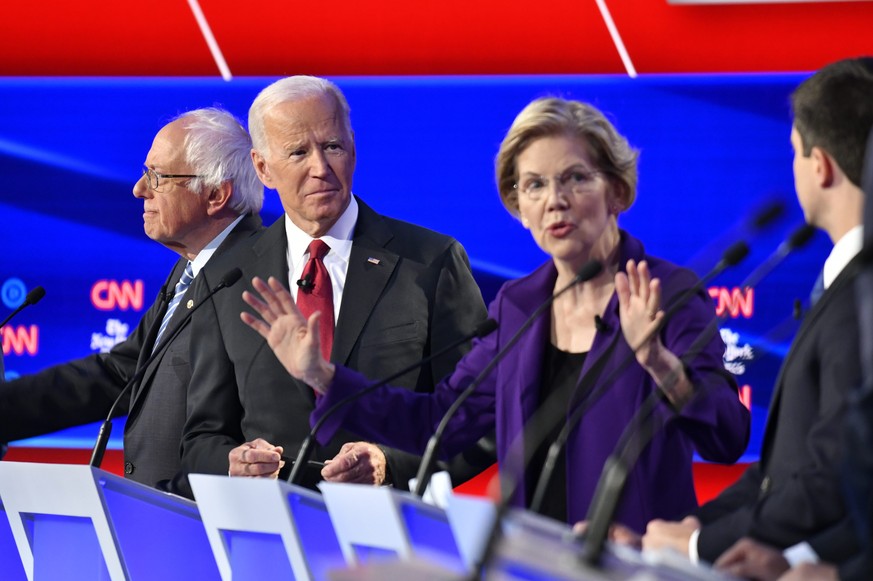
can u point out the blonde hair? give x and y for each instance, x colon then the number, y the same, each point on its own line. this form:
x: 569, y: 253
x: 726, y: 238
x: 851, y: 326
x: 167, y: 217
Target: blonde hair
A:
x: 550, y: 116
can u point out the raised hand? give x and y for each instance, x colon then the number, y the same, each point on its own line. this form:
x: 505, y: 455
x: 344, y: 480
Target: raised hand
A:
x: 293, y: 339
x: 639, y: 307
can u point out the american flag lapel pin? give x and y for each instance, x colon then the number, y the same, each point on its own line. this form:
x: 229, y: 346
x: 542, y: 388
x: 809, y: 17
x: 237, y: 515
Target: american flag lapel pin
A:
x: 372, y: 260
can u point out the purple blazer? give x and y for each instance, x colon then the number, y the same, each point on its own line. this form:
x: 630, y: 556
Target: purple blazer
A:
x: 715, y: 423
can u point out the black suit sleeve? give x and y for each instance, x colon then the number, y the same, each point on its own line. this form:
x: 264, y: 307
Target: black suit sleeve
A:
x: 457, y: 309
x: 73, y: 393
x: 800, y: 490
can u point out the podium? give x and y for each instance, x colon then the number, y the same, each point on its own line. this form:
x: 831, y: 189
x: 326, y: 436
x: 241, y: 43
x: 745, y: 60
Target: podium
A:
x: 262, y: 528
x: 376, y: 524
x: 11, y: 568
x: 78, y: 522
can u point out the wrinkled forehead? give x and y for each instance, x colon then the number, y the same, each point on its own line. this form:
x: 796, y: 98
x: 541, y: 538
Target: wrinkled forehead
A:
x: 168, y: 147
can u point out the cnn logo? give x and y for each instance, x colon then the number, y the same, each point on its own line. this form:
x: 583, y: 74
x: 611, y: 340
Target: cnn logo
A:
x: 109, y: 295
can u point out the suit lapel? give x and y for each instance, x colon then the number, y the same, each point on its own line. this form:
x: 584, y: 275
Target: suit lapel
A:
x: 247, y: 227
x: 370, y: 268
x: 803, y: 333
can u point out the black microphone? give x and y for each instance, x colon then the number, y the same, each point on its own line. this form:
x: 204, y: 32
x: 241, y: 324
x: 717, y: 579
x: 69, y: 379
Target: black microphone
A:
x: 33, y: 297
x: 732, y: 256
x: 642, y: 427
x: 486, y: 327
x: 306, y: 283
x: 601, y: 325
x: 588, y: 271
x: 229, y: 279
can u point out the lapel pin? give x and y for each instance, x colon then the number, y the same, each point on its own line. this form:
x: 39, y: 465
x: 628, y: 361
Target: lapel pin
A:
x: 189, y: 304
x: 372, y: 260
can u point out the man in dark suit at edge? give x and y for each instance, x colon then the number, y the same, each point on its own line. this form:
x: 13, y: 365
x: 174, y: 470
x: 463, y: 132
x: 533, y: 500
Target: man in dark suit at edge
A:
x: 792, y: 499
x: 200, y: 197
x: 399, y: 293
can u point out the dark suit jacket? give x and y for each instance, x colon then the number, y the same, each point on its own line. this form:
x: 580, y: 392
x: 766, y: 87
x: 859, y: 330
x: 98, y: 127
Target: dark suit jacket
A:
x: 416, y: 297
x: 794, y: 491
x: 83, y: 390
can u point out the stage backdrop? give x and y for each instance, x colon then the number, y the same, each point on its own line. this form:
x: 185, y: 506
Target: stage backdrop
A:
x: 714, y: 149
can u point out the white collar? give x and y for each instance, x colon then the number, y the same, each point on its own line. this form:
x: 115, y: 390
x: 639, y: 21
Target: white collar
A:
x: 204, y: 255
x: 842, y: 253
x: 339, y: 237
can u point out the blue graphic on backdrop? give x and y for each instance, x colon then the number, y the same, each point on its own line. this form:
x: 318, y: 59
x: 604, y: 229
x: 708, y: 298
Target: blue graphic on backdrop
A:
x: 713, y: 149
x: 13, y: 293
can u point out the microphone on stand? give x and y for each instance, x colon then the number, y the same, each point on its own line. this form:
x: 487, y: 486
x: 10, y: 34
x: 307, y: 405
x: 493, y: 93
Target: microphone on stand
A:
x: 732, y: 256
x: 33, y: 297
x: 229, y: 279
x: 588, y: 271
x: 484, y: 328
x: 643, y: 427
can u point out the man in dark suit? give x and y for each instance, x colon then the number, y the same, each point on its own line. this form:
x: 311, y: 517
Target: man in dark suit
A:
x: 395, y: 293
x: 200, y: 198
x: 794, y: 492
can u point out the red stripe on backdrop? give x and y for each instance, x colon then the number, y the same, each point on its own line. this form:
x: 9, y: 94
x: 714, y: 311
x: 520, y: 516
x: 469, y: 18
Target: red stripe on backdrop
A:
x: 113, y: 460
x: 709, y: 480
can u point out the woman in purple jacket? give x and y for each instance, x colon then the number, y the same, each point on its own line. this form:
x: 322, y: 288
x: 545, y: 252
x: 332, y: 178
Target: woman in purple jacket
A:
x: 566, y: 174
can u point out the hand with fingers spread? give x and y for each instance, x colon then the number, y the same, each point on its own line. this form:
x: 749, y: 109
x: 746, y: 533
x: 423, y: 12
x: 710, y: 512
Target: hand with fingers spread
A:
x: 256, y: 458
x: 293, y: 339
x: 639, y: 307
x: 357, y: 462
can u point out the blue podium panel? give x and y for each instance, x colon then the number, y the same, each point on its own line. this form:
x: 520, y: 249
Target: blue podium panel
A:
x: 247, y: 518
x: 160, y: 536
x: 11, y: 568
x: 257, y: 556
x: 431, y: 535
x: 64, y: 547
x: 318, y: 541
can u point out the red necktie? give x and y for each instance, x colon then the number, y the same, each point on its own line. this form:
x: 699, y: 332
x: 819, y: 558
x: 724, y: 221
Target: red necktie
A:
x: 317, y: 295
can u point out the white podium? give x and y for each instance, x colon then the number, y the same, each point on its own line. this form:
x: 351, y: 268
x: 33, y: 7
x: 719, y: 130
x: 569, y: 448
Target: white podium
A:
x: 78, y: 522
x: 262, y: 528
x: 376, y: 524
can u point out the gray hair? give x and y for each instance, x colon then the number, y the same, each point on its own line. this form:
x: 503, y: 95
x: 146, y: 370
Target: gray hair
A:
x: 293, y: 89
x: 218, y: 149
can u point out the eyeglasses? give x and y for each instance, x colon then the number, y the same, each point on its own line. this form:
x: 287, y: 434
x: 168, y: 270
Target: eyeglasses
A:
x: 578, y: 180
x: 153, y: 178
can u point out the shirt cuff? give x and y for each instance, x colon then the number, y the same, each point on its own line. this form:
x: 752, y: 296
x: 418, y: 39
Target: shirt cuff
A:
x: 799, y: 554
x: 693, y: 556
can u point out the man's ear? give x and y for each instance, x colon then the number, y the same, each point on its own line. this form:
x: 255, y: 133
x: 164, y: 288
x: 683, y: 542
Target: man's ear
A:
x: 261, y: 168
x: 219, y: 198
x: 824, y: 167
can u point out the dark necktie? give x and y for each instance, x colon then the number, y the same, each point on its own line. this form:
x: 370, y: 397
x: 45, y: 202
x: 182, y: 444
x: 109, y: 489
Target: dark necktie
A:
x: 317, y: 295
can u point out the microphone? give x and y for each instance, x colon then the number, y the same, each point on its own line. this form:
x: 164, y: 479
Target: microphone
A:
x: 588, y: 271
x: 732, y: 256
x: 33, y: 297
x: 229, y: 279
x: 306, y: 283
x: 601, y: 325
x: 642, y: 428
x: 484, y: 328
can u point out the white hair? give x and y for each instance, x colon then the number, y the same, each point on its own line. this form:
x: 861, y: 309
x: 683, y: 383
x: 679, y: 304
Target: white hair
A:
x: 292, y: 89
x: 218, y: 149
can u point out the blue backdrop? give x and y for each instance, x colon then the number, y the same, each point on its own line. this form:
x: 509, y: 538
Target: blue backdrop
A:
x: 714, y: 148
